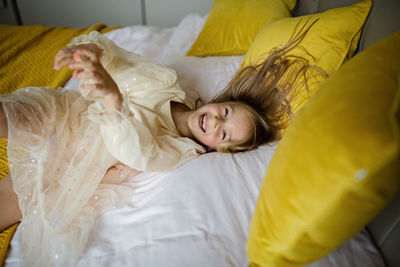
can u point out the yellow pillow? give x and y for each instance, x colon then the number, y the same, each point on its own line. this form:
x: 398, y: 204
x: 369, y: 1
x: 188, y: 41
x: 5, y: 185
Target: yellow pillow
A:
x: 337, y: 165
x: 232, y: 25
x: 330, y: 41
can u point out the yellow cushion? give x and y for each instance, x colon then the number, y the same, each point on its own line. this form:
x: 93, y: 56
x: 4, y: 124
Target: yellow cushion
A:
x: 330, y: 41
x: 232, y: 25
x: 337, y: 165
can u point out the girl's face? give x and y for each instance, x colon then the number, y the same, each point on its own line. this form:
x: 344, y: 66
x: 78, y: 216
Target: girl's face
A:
x: 214, y: 124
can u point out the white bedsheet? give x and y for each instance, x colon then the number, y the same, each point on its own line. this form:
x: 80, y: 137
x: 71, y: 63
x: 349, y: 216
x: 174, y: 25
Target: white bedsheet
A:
x: 199, y: 214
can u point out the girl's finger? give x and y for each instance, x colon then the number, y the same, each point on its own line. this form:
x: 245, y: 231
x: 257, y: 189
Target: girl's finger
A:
x: 87, y: 65
x: 76, y: 73
x: 77, y: 57
x: 64, y: 53
x: 59, y: 58
x: 62, y: 62
x: 91, y: 86
x: 92, y: 56
x: 86, y: 75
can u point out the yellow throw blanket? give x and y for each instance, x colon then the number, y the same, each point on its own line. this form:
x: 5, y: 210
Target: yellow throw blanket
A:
x: 26, y: 59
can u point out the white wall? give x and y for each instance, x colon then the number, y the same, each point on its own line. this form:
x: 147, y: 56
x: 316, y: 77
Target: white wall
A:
x: 84, y: 13
x: 167, y: 13
x: 80, y: 13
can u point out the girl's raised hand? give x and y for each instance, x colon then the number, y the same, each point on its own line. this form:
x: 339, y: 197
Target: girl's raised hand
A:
x: 64, y: 57
x: 87, y: 66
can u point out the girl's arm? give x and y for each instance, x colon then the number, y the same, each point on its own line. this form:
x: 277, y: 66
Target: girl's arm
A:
x: 84, y: 59
x: 124, y: 133
x: 87, y: 67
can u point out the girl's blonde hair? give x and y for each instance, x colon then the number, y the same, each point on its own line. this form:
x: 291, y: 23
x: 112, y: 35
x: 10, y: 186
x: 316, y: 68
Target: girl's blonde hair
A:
x: 266, y: 90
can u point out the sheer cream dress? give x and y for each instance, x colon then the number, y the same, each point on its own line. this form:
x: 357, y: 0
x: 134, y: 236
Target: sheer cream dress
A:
x: 61, y: 143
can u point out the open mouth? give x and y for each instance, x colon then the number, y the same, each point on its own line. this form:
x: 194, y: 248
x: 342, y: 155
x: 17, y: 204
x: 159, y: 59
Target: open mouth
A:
x: 203, y: 122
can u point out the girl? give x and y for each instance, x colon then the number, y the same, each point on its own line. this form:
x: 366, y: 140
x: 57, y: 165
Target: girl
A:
x: 69, y: 152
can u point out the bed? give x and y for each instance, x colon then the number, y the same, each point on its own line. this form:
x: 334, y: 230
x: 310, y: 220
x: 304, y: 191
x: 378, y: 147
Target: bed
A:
x: 200, y: 213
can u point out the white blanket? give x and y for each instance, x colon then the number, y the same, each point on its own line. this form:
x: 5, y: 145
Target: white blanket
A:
x: 199, y: 214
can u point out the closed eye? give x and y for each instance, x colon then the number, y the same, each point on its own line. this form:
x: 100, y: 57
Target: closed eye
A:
x: 226, y: 112
x: 223, y: 135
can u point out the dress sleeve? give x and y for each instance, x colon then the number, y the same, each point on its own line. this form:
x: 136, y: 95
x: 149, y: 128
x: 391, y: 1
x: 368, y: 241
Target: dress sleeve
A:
x: 131, y: 142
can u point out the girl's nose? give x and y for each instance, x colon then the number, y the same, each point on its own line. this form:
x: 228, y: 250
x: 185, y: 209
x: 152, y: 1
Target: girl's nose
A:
x: 216, y: 122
